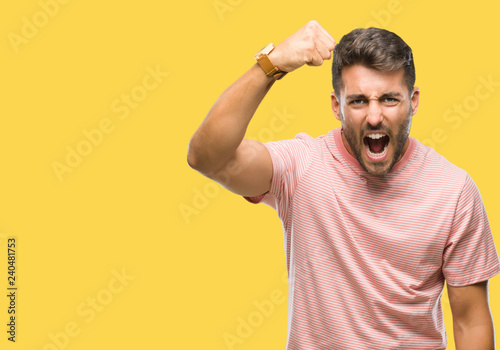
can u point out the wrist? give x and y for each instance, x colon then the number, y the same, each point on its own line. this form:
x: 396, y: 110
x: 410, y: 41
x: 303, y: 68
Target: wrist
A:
x: 264, y: 60
x: 275, y: 59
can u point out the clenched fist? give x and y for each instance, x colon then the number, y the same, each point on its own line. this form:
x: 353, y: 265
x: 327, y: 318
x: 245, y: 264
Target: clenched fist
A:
x: 311, y: 45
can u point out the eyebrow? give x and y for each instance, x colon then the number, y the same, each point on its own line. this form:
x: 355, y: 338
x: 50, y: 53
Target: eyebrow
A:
x: 355, y: 97
x: 392, y: 94
x: 363, y: 97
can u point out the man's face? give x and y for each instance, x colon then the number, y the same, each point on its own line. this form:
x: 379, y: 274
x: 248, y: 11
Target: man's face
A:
x: 375, y: 109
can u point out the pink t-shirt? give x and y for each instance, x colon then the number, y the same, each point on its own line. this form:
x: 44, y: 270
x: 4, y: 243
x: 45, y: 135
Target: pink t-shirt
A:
x: 367, y: 256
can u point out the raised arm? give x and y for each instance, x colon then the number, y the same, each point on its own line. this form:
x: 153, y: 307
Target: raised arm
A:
x: 472, y: 320
x: 218, y: 149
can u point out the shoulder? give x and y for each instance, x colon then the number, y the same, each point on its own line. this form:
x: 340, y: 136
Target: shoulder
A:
x: 435, y: 165
x: 305, y: 138
x: 302, y: 144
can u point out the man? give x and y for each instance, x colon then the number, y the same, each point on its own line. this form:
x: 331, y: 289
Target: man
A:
x: 374, y: 221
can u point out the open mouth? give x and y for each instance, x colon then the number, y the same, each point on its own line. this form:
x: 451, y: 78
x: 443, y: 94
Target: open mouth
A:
x: 376, y: 145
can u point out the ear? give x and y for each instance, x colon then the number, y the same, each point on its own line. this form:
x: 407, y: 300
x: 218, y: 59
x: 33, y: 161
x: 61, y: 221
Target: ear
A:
x: 415, y: 99
x: 335, y: 105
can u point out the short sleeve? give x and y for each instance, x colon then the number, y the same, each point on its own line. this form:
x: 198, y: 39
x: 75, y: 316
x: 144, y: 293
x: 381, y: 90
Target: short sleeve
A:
x: 290, y: 159
x: 470, y: 255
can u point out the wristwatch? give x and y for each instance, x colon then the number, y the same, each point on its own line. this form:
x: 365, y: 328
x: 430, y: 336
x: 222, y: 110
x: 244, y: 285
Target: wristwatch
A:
x: 265, y: 63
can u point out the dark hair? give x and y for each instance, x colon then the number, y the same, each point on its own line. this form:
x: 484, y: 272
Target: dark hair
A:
x: 374, y: 48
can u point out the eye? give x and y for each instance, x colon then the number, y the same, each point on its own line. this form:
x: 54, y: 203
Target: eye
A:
x: 357, y: 102
x: 390, y: 101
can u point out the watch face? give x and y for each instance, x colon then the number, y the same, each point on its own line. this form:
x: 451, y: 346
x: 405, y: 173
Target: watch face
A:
x: 264, y: 50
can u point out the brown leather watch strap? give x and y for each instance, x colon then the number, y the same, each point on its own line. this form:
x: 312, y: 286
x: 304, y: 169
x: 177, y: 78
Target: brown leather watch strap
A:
x: 265, y: 63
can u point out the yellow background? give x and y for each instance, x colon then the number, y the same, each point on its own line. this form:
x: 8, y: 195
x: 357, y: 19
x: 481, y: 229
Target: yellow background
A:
x: 191, y: 279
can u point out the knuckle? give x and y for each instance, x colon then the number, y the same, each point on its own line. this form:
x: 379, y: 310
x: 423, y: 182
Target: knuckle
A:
x: 313, y: 23
x: 311, y: 28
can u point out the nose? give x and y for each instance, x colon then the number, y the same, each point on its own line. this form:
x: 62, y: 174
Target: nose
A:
x: 374, y: 114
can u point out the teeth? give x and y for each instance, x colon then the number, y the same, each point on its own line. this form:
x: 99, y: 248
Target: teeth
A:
x: 375, y: 136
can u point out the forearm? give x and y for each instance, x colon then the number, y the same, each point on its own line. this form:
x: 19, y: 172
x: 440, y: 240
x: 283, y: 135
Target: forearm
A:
x: 478, y: 337
x: 224, y: 127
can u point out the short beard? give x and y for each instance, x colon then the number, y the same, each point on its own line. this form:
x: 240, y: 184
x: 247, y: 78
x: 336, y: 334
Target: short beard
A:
x: 402, y: 133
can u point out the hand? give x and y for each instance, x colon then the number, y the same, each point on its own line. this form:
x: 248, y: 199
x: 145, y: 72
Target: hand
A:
x: 310, y: 45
